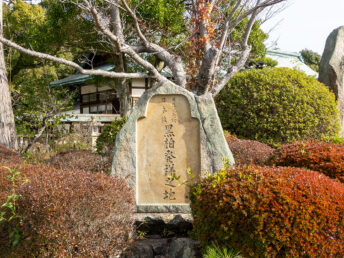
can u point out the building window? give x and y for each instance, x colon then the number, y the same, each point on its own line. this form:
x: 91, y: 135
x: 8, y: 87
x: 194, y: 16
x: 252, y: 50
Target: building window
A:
x: 103, y: 96
x: 94, y: 109
x: 86, y: 98
x: 93, y: 97
x: 101, y: 109
x: 86, y: 110
x: 104, y: 102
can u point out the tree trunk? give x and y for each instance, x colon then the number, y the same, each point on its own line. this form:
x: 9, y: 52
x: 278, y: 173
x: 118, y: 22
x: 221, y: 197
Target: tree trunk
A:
x: 124, y: 93
x: 35, y: 138
x: 122, y: 85
x: 8, y: 135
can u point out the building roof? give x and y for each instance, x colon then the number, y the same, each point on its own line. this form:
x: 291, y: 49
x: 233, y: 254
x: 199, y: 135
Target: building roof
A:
x: 80, y: 78
x: 292, y: 60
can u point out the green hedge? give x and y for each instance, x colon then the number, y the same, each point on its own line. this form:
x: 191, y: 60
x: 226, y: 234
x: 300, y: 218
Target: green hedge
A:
x: 277, y: 105
x: 106, y: 140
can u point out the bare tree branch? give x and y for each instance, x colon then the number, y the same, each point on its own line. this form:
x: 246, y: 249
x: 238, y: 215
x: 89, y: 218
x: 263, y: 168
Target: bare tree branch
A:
x: 124, y: 48
x: 204, y: 16
x: 213, y: 54
x: 173, y: 61
x: 258, y: 6
x: 250, y: 25
x: 232, y: 70
x: 244, y: 55
x: 136, y: 22
x: 72, y: 64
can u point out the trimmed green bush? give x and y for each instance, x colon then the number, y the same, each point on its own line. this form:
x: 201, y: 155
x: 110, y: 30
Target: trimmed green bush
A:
x: 106, y: 140
x: 270, y: 212
x: 276, y: 106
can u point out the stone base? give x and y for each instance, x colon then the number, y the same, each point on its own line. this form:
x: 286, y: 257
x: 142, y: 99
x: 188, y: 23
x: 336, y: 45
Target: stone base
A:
x: 184, y: 208
x: 162, y: 235
x: 165, y: 247
x: 161, y: 225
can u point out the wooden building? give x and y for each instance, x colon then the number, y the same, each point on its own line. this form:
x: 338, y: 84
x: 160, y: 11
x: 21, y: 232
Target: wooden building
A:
x: 98, y: 101
x: 101, y: 97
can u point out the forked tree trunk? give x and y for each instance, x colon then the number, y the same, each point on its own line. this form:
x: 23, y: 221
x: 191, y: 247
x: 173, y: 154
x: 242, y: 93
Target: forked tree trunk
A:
x: 8, y: 135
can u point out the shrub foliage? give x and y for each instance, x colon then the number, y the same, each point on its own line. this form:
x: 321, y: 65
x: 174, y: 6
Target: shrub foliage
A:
x: 277, y: 105
x: 249, y: 151
x: 81, y: 160
x: 106, y: 140
x: 68, y: 214
x: 311, y: 58
x: 271, y: 212
x: 8, y: 156
x: 325, y: 157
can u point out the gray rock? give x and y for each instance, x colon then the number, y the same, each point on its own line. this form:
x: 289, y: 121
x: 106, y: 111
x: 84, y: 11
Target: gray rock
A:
x: 183, y: 248
x: 157, y: 225
x: 164, y: 248
x: 331, y: 69
x: 182, y: 208
x: 213, y: 144
x: 159, y: 247
x: 141, y: 249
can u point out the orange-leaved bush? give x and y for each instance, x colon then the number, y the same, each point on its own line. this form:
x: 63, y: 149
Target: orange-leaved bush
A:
x: 8, y: 156
x: 249, y: 151
x: 67, y: 214
x: 270, y: 212
x: 81, y: 160
x: 325, y: 157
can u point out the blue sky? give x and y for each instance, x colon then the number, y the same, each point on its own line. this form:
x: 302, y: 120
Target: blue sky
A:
x: 305, y: 24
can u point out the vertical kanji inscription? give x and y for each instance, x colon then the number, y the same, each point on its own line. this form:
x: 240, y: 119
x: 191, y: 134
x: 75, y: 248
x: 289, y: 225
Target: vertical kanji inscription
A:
x: 168, y: 144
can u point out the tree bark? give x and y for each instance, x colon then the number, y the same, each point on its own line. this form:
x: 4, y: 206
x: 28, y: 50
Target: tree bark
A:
x: 122, y: 85
x: 125, y: 105
x: 8, y: 135
x: 120, y: 64
x: 35, y: 138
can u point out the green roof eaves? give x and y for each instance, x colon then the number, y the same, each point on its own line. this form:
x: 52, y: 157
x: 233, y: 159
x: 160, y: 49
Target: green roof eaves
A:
x: 79, y: 78
x: 284, y: 53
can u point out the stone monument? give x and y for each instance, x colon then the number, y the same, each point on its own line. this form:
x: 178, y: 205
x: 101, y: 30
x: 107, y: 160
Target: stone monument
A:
x: 331, y: 69
x: 170, y: 132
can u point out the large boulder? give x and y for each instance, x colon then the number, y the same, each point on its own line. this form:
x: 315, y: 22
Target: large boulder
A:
x: 147, y: 146
x: 331, y: 70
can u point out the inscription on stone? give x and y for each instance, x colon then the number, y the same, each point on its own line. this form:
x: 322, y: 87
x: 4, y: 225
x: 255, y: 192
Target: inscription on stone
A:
x: 168, y: 144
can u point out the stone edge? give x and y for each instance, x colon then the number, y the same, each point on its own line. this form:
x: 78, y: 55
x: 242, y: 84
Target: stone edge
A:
x: 162, y: 208
x: 128, y: 132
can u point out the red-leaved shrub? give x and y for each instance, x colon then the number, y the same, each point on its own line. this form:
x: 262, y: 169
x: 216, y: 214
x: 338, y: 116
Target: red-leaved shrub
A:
x: 325, y: 157
x: 8, y: 156
x: 81, y: 160
x: 249, y: 151
x: 271, y: 212
x: 67, y: 214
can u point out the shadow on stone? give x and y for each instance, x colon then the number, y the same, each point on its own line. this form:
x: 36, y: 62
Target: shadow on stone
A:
x: 167, y: 225
x: 163, y: 248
